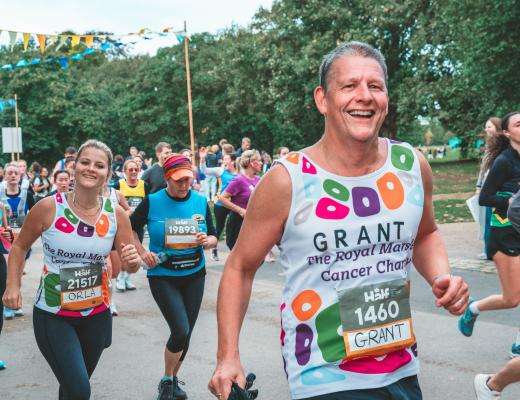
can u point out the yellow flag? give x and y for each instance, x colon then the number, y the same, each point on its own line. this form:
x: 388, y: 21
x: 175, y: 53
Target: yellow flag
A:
x: 75, y: 41
x: 26, y: 37
x: 89, y: 41
x: 41, y: 40
x: 141, y: 31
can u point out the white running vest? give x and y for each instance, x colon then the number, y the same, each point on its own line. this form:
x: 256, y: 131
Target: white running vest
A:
x: 74, y: 281
x: 346, y: 253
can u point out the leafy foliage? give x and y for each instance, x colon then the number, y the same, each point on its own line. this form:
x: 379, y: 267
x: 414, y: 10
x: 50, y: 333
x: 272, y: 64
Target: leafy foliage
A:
x: 451, y: 63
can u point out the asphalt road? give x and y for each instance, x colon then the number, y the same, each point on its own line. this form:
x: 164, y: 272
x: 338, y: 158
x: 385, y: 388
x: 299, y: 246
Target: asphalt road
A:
x: 132, y: 366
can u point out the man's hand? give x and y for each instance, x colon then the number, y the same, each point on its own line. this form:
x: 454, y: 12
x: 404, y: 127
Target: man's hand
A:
x: 226, y: 373
x: 451, y: 292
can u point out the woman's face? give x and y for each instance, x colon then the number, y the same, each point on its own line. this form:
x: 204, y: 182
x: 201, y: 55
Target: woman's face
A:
x: 131, y: 171
x: 490, y: 129
x: 139, y: 162
x: 513, y: 129
x: 256, y: 164
x: 92, y: 170
x: 180, y: 187
x: 44, y: 173
x: 227, y: 163
x: 62, y: 182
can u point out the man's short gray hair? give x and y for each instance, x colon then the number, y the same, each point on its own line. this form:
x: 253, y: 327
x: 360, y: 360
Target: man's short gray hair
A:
x: 350, y: 49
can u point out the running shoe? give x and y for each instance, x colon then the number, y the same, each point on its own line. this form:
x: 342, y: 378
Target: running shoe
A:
x: 2, y: 365
x: 8, y: 313
x: 128, y: 284
x: 120, y: 282
x: 515, y: 351
x: 467, y: 321
x: 165, y: 390
x: 214, y: 255
x: 113, y: 309
x: 19, y: 313
x: 482, y: 390
x: 178, y: 393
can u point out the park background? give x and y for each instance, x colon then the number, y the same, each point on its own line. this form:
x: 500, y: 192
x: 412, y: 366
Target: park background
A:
x: 451, y: 64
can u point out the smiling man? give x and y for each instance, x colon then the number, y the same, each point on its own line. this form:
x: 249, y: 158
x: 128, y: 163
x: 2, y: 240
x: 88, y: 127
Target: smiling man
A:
x: 353, y: 212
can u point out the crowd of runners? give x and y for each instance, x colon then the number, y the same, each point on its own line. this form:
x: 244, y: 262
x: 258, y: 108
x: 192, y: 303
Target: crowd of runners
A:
x: 351, y: 196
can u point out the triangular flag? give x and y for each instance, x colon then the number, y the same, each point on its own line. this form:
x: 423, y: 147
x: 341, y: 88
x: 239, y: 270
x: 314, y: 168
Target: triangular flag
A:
x: 2, y: 106
x: 75, y: 41
x: 77, y: 56
x: 63, y: 41
x: 12, y: 102
x: 21, y: 63
x: 12, y: 38
x: 7, y: 66
x: 142, y: 31
x: 105, y: 46
x: 89, y: 41
x: 64, y: 62
x: 180, y: 38
x: 35, y: 61
x: 41, y: 41
x: 26, y: 37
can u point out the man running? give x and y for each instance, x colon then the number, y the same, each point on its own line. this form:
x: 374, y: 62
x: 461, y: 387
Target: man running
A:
x: 154, y: 176
x: 352, y: 212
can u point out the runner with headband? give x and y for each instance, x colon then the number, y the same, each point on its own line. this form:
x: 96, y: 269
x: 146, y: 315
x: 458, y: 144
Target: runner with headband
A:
x: 71, y: 319
x: 180, y: 227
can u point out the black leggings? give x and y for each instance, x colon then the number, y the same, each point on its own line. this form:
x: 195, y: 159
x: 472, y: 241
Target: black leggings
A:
x: 233, y: 229
x: 179, y: 300
x: 221, y: 214
x: 72, y: 346
x: 3, y: 278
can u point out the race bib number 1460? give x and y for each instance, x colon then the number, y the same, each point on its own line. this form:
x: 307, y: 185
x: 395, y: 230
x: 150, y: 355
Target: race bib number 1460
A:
x: 376, y: 319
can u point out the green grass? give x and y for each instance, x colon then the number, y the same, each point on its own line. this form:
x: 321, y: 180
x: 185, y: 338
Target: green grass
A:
x: 447, y: 211
x: 455, y: 177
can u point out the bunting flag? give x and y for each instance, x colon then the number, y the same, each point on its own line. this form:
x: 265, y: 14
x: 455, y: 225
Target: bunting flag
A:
x: 4, y: 104
x: 41, y: 41
x: 46, y: 40
x: 26, y: 37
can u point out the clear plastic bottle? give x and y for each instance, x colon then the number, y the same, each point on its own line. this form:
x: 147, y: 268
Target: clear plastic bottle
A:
x: 162, y: 256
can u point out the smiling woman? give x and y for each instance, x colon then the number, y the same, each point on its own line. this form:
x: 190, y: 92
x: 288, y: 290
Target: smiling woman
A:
x: 71, y: 320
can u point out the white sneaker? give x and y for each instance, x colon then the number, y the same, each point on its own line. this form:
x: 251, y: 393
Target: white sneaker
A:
x: 128, y: 284
x: 19, y: 313
x: 482, y: 256
x: 113, y: 309
x: 121, y: 282
x: 482, y: 390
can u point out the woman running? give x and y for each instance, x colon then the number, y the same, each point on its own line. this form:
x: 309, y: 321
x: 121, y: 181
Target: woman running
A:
x: 237, y: 194
x: 180, y: 227
x: 71, y: 320
x: 41, y: 184
x: 5, y: 244
x: 134, y: 190
x: 225, y: 175
x: 504, y: 242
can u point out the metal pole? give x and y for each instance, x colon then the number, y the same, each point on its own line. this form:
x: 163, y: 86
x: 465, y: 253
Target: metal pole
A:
x: 16, y: 124
x: 188, y: 83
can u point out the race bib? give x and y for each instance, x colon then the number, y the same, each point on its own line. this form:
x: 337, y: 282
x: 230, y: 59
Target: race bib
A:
x: 133, y: 202
x: 180, y: 233
x: 81, y: 287
x: 376, y: 319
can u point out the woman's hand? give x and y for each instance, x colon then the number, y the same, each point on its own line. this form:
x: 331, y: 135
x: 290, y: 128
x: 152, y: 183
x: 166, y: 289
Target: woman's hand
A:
x: 130, y: 256
x: 202, y: 239
x: 150, y: 259
x: 241, y: 211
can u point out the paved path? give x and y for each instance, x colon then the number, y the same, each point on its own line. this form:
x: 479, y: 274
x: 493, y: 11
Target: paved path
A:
x: 131, y: 367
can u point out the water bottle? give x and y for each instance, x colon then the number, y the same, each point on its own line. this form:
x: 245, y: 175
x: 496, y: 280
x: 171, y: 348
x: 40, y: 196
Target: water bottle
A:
x: 162, y: 256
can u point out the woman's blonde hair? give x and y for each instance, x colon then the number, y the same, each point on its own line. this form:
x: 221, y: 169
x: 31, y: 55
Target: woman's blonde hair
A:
x: 247, y: 156
x: 96, y: 144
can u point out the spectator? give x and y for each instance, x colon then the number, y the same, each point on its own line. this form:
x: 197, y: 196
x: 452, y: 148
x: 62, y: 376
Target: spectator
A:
x: 70, y: 152
x: 246, y: 145
x: 154, y: 176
